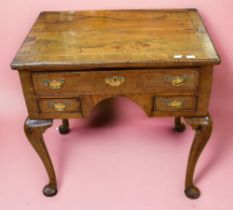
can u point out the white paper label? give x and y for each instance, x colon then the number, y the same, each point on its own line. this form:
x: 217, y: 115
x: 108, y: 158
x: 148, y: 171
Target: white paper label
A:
x: 190, y: 56
x: 178, y: 56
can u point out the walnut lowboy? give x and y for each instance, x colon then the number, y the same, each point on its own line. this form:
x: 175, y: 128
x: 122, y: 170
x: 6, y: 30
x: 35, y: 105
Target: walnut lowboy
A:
x: 161, y: 59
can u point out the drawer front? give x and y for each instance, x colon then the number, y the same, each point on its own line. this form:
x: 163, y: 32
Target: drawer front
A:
x: 175, y: 103
x: 175, y: 81
x: 59, y: 105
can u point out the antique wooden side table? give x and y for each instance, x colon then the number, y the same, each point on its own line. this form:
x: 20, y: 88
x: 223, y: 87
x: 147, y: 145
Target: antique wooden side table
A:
x: 161, y: 59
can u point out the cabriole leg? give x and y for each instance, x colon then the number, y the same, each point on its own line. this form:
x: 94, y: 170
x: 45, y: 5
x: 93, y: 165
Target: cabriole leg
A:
x: 179, y: 126
x: 64, y: 128
x: 203, y: 127
x: 34, y: 130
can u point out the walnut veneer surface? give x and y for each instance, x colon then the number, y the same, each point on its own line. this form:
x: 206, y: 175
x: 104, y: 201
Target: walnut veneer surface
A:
x: 160, y: 59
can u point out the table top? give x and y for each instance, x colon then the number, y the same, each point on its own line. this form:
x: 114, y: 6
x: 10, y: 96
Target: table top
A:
x: 116, y: 39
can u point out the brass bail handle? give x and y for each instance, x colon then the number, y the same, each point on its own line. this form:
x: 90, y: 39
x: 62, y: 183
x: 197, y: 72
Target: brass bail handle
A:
x: 176, y: 104
x: 54, y: 84
x: 176, y: 80
x: 114, y: 81
x: 58, y: 106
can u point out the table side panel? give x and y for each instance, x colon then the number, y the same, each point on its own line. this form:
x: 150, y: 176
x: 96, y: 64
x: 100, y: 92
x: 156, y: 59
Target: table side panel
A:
x: 204, y: 89
x: 29, y: 94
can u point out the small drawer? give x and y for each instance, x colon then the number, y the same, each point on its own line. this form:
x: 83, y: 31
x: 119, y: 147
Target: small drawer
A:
x: 175, y: 103
x: 155, y: 81
x: 59, y: 105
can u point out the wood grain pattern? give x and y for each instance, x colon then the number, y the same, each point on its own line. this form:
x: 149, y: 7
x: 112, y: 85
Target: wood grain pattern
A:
x: 135, y: 81
x: 115, y: 39
x: 175, y: 103
x: 143, y: 100
x: 49, y: 105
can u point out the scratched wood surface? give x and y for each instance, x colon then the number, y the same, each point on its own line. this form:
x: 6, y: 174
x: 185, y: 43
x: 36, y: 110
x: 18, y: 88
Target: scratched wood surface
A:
x: 84, y: 40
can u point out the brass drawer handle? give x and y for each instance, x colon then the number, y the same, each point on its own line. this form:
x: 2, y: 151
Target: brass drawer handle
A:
x: 58, y: 106
x: 175, y: 104
x: 54, y: 84
x: 114, y: 81
x: 176, y: 80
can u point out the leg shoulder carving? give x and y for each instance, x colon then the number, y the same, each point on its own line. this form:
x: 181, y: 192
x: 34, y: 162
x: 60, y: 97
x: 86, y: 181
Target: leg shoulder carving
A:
x: 37, y: 124
x: 198, y: 122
